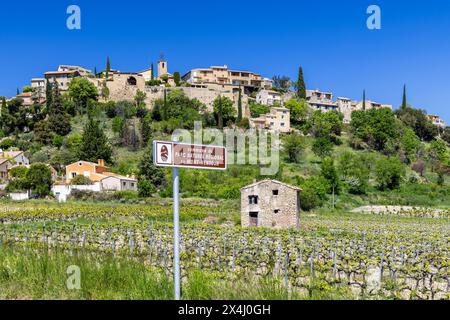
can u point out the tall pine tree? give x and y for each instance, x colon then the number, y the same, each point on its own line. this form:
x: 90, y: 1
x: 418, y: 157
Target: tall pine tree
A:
x: 48, y: 95
x: 239, y: 117
x: 220, y: 113
x: 94, y: 143
x: 404, y: 102
x: 108, y: 67
x: 364, y: 101
x: 301, y: 87
x: 58, y: 120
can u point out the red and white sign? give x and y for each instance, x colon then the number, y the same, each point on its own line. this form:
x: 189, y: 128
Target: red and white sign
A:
x: 186, y: 155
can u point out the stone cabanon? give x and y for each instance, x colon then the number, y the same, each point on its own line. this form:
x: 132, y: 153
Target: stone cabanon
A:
x: 270, y: 203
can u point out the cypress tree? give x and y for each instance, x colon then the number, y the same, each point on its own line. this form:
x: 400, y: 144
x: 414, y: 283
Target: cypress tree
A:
x: 48, y: 95
x: 219, y: 113
x: 3, y: 107
x: 152, y: 71
x: 177, y: 78
x: 17, y: 91
x: 239, y: 117
x: 301, y: 87
x: 404, y: 104
x: 94, y: 143
x: 58, y: 120
x: 108, y: 66
x: 95, y: 72
x: 364, y: 101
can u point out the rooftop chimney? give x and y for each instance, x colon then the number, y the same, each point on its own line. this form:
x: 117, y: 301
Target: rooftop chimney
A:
x: 101, y: 162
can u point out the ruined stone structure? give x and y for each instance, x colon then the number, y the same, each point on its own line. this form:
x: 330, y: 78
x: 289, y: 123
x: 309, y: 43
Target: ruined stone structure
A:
x: 270, y: 203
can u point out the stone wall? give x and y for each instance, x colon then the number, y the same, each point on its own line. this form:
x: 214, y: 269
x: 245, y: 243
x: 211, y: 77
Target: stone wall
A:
x: 286, y: 202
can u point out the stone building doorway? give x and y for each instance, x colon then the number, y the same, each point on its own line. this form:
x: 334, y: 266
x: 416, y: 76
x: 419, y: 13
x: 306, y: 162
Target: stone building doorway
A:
x: 253, y: 219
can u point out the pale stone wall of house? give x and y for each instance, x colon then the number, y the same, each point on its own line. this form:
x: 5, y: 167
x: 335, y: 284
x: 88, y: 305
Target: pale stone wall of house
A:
x: 204, y: 95
x: 119, y: 87
x: 287, y: 202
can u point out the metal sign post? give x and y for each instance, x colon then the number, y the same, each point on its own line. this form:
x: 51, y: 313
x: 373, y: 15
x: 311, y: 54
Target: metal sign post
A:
x: 176, y: 232
x: 182, y: 155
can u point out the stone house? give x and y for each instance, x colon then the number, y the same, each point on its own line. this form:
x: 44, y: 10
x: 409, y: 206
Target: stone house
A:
x: 5, y: 166
x: 15, y: 157
x: 270, y: 203
x: 277, y: 120
x: 268, y: 97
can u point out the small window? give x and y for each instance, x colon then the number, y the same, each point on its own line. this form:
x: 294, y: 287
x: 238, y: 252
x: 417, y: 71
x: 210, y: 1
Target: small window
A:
x: 276, y: 211
x: 275, y: 192
x: 74, y: 174
x: 252, y: 199
x: 132, y: 184
x: 124, y: 183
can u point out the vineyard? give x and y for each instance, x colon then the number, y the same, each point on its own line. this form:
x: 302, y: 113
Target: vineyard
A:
x: 365, y: 256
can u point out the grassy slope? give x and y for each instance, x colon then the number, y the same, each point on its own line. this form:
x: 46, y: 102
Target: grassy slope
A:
x: 126, y: 162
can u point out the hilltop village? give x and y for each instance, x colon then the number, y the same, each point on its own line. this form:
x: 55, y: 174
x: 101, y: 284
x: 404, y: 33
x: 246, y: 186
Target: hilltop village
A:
x: 88, y: 131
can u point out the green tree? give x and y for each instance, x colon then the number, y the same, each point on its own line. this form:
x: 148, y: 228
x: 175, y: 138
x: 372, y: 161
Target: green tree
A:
x: 389, y: 172
x: 108, y: 67
x: 329, y: 173
x: 117, y: 125
x: 257, y: 109
x: 446, y: 135
x: 27, y: 89
x: 18, y: 181
x: 314, y: 192
x: 438, y: 151
x: 48, y: 94
x: 58, y: 120
x: 364, y: 100
x: 224, y: 111
x: 152, y: 71
x: 282, y: 83
x: 378, y: 128
x: 354, y: 172
x: 81, y: 91
x: 149, y: 174
x: 410, y: 144
x: 94, y: 143
x: 239, y: 117
x: 298, y: 109
x: 301, y: 87
x: 39, y: 179
x: 327, y: 125
x: 139, y: 98
x: 417, y: 120
x: 177, y: 78
x: 42, y: 132
x: 80, y: 180
x: 404, y: 103
x: 322, y: 147
x: 146, y: 128
x: 294, y: 145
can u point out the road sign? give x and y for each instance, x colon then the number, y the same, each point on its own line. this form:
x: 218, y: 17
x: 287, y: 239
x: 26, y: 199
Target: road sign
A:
x: 185, y: 155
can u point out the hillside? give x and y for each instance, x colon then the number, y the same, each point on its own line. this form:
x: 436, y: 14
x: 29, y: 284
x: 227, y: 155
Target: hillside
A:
x: 382, y: 157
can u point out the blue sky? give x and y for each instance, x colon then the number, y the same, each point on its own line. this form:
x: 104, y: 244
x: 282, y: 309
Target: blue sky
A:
x: 328, y: 38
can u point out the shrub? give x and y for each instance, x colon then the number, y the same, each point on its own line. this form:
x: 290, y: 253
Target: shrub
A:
x: 145, y: 188
x: 39, y: 179
x: 322, y: 147
x: 294, y: 145
x: 313, y: 193
x: 389, y: 172
x: 81, y: 180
